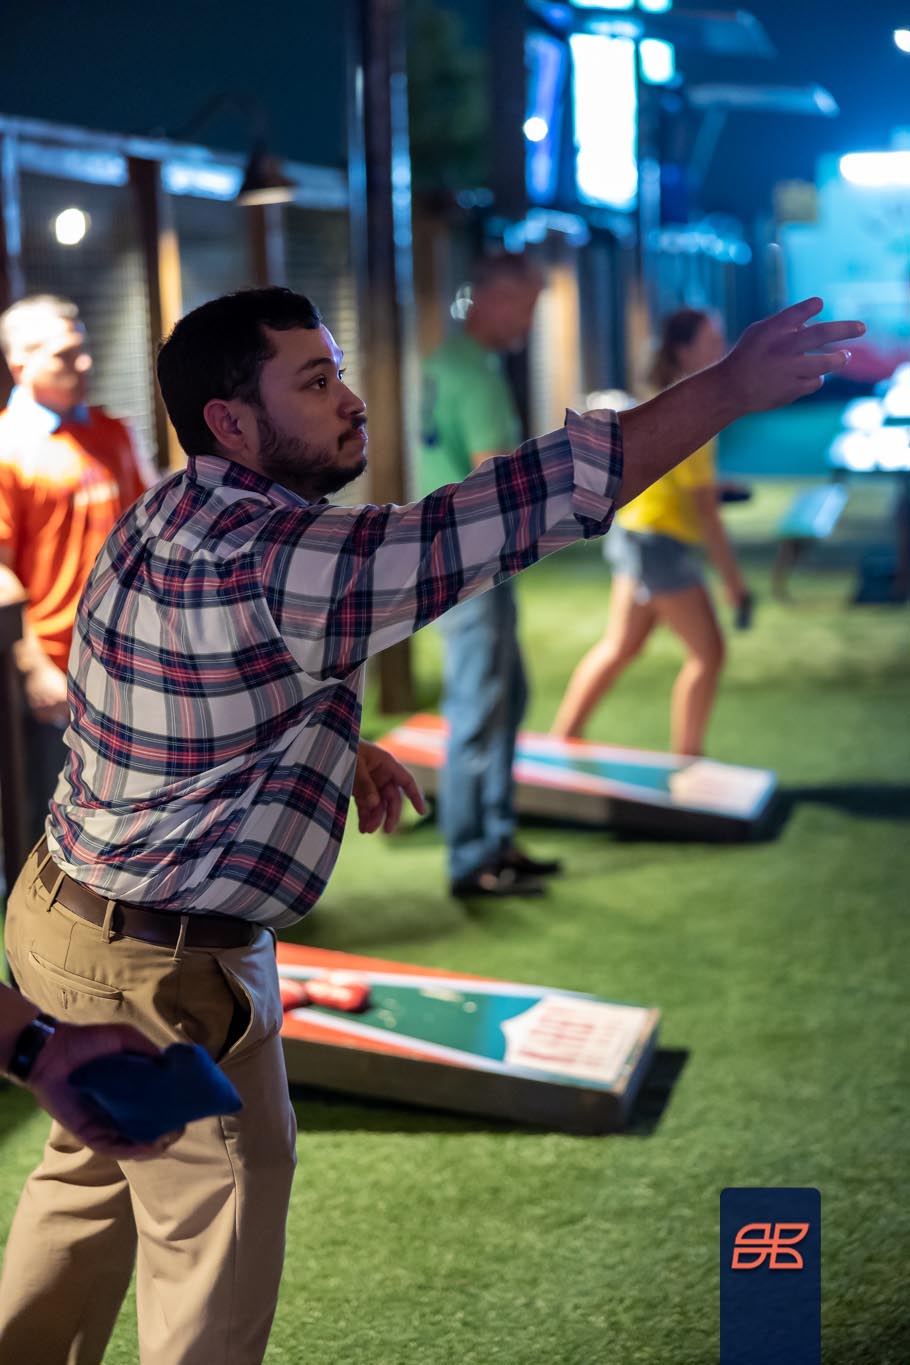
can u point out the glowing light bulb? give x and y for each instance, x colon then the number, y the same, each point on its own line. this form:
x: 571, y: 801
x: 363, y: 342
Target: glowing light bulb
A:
x: 536, y: 128
x: 70, y: 227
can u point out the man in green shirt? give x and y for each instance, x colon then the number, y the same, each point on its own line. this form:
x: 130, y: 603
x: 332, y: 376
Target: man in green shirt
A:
x: 469, y: 416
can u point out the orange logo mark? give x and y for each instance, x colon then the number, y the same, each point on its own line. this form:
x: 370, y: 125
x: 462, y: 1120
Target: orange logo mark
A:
x: 756, y: 1243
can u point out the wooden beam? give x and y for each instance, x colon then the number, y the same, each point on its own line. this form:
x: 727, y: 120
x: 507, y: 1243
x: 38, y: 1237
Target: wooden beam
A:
x: 161, y: 256
x: 508, y: 24
x: 379, y: 180
x: 12, y: 280
x: 266, y: 238
x: 13, y: 800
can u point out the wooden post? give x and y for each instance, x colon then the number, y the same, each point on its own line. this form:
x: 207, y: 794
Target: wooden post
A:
x: 508, y: 98
x: 648, y: 200
x: 12, y: 280
x: 507, y: 94
x: 12, y: 753
x: 380, y: 208
x: 267, y: 250
x: 161, y: 256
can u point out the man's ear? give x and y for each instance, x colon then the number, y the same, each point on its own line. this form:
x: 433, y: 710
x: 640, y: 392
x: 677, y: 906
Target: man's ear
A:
x: 224, y: 422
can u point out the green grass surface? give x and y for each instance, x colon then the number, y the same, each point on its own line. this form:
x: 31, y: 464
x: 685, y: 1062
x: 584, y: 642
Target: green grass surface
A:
x: 781, y: 971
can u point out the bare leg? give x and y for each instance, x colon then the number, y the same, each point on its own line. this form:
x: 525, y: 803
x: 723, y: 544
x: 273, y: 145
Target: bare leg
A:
x: 789, y: 552
x: 628, y: 627
x: 690, y: 615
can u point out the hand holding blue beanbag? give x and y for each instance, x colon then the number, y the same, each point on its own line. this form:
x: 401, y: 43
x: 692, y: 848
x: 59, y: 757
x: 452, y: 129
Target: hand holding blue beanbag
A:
x: 147, y: 1097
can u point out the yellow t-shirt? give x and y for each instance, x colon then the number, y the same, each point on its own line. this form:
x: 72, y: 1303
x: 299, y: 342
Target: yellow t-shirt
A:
x: 668, y: 507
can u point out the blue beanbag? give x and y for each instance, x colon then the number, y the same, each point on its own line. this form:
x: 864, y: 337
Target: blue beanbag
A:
x: 147, y: 1097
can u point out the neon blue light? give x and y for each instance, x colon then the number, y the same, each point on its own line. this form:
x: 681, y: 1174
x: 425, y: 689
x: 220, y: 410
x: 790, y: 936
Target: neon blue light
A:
x: 655, y: 6
x: 203, y: 179
x: 658, y: 61
x: 606, y: 119
x: 877, y: 170
x: 546, y: 61
x: 604, y: 4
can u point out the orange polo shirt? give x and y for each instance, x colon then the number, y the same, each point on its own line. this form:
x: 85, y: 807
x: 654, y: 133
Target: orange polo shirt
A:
x: 62, y: 489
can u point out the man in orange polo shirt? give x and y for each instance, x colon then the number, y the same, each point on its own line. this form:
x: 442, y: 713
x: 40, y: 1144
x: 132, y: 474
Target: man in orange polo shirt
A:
x: 67, y: 472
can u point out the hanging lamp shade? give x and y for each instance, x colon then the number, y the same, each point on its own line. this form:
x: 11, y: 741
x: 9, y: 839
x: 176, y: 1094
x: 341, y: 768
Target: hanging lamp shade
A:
x: 264, y: 182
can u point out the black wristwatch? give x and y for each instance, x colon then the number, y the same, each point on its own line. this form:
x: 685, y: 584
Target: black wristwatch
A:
x: 27, y: 1046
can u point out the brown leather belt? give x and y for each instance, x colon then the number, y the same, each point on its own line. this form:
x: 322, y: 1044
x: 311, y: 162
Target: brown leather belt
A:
x: 153, y: 926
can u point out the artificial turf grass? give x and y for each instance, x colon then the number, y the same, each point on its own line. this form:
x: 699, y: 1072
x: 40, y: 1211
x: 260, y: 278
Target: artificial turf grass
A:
x: 779, y: 967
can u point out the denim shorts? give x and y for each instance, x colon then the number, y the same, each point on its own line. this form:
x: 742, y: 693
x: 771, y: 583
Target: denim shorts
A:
x: 657, y: 564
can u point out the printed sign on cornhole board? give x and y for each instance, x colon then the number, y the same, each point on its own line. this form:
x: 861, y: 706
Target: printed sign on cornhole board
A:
x: 447, y: 1040
x: 606, y: 785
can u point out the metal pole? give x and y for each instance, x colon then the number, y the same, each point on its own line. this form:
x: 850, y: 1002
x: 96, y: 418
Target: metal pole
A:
x: 379, y: 177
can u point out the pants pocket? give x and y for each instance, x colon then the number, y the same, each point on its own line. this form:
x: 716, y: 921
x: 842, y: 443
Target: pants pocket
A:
x: 63, y: 992
x: 251, y: 975
x: 241, y: 1023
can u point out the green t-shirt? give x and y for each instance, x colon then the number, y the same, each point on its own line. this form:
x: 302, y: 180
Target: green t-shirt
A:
x: 467, y: 409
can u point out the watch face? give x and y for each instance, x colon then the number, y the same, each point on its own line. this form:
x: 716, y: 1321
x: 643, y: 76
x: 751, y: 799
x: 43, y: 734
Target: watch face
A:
x: 29, y: 1043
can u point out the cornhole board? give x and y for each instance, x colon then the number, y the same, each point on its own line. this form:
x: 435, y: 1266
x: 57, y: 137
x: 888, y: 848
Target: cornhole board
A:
x: 447, y: 1040
x: 605, y: 785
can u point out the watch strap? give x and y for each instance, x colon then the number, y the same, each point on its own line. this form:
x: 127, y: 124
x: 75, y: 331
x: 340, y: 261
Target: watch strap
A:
x: 29, y: 1044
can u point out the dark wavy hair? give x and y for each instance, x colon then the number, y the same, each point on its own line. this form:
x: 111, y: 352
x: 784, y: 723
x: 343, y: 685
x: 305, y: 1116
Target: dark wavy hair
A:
x: 678, y: 329
x: 218, y: 351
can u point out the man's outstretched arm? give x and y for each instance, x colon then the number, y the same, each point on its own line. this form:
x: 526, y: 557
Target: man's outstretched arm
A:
x: 356, y: 580
x: 774, y: 362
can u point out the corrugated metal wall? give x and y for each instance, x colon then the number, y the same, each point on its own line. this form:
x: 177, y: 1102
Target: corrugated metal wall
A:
x: 214, y: 253
x: 318, y: 263
x: 318, y: 259
x: 103, y: 274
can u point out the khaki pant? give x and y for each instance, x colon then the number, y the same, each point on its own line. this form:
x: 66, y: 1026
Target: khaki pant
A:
x: 205, y: 1223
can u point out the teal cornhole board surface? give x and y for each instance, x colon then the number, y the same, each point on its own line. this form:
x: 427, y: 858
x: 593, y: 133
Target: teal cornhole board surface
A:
x: 448, y: 1040
x: 610, y: 786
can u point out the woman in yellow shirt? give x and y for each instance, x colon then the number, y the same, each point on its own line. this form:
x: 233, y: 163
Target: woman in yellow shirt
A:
x: 654, y: 550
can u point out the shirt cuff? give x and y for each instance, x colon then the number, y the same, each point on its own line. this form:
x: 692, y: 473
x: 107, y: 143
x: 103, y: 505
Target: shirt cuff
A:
x: 595, y: 440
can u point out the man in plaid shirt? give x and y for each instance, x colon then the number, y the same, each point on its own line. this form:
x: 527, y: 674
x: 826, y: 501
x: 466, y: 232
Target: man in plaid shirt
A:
x: 215, y: 696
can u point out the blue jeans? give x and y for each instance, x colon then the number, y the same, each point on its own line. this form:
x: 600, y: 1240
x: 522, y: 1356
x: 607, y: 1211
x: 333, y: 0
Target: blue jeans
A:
x: 484, y: 701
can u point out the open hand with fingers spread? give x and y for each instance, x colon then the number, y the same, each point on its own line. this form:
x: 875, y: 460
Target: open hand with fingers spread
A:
x: 380, y: 782
x: 783, y: 358
x: 775, y: 361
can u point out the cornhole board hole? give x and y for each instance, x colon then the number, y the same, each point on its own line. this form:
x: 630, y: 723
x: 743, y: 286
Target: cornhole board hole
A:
x: 446, y: 1040
x: 607, y: 786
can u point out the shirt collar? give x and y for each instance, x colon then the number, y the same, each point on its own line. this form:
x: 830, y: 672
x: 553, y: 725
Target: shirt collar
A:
x: 43, y: 419
x: 216, y: 471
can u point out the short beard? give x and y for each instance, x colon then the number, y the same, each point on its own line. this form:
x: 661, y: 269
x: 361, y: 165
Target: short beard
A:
x: 308, y: 470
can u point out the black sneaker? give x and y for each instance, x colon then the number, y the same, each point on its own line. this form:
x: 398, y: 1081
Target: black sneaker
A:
x: 513, y: 857
x: 496, y: 882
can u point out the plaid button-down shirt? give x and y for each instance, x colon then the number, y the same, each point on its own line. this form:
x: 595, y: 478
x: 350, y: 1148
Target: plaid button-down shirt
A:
x: 217, y: 668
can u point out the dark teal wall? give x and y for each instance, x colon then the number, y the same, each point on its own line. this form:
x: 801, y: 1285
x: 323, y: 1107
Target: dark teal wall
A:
x: 139, y: 65
x: 844, y: 45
